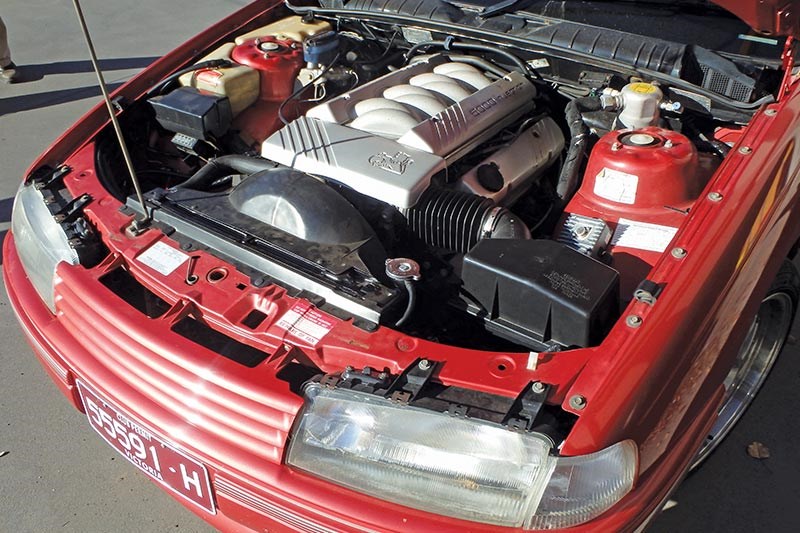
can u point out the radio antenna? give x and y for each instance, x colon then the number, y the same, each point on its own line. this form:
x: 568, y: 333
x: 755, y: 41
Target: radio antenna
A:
x: 137, y: 226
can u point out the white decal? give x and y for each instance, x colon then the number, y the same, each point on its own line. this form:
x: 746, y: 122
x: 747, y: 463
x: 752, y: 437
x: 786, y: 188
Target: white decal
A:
x: 306, y: 323
x: 163, y: 258
x: 616, y: 186
x: 642, y: 235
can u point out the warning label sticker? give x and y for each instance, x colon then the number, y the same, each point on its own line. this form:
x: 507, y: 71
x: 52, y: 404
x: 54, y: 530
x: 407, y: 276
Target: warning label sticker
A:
x: 163, y: 258
x: 642, y: 235
x: 306, y: 323
x: 616, y: 186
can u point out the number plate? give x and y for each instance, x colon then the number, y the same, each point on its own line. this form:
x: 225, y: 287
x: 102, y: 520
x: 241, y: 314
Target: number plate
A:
x: 164, y: 463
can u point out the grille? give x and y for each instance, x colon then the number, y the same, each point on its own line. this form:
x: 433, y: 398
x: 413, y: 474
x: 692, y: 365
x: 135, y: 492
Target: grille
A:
x: 226, y: 411
x: 721, y: 83
x: 248, y: 499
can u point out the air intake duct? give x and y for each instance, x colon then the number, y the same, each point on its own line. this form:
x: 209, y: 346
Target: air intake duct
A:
x: 456, y: 220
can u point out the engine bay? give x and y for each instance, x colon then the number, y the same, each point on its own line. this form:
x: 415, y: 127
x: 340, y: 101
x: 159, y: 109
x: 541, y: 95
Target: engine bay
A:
x: 449, y: 188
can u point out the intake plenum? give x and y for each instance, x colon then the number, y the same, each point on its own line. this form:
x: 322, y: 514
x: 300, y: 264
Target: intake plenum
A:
x: 456, y: 220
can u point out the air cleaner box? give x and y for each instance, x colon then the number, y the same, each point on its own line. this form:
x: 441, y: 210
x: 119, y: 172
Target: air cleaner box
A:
x: 536, y: 292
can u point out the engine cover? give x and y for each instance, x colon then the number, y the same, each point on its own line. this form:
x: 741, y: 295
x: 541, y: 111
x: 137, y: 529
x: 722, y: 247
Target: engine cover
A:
x: 387, y: 138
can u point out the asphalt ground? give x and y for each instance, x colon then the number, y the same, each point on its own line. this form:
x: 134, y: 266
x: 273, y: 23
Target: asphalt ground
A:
x: 56, y: 474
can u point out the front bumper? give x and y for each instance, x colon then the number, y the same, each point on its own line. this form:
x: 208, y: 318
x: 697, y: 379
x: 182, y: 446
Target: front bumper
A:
x: 236, y: 420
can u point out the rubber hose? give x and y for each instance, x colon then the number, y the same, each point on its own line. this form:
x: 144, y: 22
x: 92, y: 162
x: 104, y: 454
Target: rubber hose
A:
x: 412, y: 302
x: 225, y: 166
x: 210, y: 64
x: 578, y: 146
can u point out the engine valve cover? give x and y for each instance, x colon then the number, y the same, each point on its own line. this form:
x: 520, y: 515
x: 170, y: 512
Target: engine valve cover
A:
x: 387, y: 138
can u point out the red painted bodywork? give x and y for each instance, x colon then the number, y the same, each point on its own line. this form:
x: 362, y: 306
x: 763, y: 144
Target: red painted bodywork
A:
x: 658, y: 384
x: 669, y: 178
x: 278, y: 69
x: 770, y: 17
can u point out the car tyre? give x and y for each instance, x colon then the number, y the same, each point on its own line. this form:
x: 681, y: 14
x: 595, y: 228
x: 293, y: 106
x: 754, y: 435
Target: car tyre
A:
x: 764, y: 341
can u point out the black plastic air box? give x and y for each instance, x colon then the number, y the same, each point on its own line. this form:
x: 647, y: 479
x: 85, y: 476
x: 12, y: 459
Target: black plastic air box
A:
x: 198, y: 114
x: 536, y: 292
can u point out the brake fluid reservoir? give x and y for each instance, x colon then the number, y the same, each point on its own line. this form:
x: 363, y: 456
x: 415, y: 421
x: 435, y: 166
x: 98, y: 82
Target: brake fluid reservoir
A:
x: 641, y: 104
x: 239, y: 83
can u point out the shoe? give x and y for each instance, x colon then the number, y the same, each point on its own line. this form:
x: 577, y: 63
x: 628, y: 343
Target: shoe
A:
x: 8, y: 73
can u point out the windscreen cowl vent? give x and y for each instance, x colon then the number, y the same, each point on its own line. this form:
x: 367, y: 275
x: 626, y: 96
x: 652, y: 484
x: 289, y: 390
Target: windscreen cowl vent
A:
x: 720, y: 83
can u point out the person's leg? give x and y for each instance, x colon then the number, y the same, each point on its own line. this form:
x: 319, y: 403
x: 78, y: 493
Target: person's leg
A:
x: 5, y: 52
x: 8, y: 70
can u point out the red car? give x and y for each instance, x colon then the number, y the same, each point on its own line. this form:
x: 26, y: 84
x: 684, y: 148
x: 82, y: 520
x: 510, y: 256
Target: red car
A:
x: 425, y: 265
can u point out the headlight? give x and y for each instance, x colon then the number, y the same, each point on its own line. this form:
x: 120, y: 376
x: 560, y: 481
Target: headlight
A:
x: 41, y: 243
x: 457, y: 467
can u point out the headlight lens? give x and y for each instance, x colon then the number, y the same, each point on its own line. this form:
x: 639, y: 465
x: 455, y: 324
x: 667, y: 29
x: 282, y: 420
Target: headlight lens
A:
x: 457, y: 467
x: 40, y: 241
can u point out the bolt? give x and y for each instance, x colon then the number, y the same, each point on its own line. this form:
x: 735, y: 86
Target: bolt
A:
x: 678, y: 253
x: 577, y: 402
x: 404, y: 267
x: 424, y: 364
x: 745, y: 150
x: 382, y: 376
x: 714, y: 196
x: 259, y: 282
x: 583, y: 232
x: 668, y: 144
x: 771, y: 112
x: 634, y: 321
x: 616, y: 146
x: 537, y: 387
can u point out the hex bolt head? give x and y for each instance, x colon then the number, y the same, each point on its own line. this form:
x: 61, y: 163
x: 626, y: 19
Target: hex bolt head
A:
x: 714, y: 196
x: 679, y: 253
x: 537, y: 387
x: 745, y: 150
x: 633, y: 321
x: 577, y: 402
x: 424, y: 364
